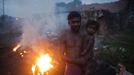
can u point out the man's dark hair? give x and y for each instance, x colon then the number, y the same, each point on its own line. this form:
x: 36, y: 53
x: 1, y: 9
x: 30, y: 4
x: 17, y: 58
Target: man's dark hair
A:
x: 92, y: 22
x: 73, y: 14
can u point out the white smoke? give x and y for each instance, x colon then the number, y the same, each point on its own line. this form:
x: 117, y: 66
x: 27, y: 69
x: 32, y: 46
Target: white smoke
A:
x: 39, y: 19
x: 30, y: 33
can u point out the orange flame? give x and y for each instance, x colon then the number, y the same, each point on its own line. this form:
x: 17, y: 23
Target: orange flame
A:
x: 43, y: 63
x: 33, y: 69
x: 15, y: 48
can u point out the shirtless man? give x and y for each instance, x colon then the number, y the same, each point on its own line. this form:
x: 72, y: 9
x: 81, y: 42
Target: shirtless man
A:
x: 71, y: 42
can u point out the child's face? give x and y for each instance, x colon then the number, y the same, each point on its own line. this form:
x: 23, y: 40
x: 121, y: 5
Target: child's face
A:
x: 91, y: 29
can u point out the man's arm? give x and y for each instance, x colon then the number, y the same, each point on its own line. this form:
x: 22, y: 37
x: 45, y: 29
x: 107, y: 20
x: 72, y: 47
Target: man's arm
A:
x: 80, y: 60
x: 87, y: 53
x: 62, y: 48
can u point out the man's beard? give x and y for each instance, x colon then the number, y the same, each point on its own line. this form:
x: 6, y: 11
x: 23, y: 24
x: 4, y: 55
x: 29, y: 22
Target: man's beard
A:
x: 75, y: 29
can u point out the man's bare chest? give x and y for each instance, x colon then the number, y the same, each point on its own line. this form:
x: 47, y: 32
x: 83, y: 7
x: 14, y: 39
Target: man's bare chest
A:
x: 73, y: 41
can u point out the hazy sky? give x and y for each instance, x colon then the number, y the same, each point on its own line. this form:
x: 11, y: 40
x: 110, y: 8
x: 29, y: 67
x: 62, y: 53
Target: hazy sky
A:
x: 24, y: 8
x: 88, y: 1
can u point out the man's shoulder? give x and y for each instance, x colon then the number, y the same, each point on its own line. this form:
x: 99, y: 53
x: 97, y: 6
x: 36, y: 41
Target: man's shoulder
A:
x: 63, y: 34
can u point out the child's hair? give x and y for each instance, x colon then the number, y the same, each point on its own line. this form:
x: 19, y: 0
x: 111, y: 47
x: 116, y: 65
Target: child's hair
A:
x: 92, y: 22
x: 73, y: 14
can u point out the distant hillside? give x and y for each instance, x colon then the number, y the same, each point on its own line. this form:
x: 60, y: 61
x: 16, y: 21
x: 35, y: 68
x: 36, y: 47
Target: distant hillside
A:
x: 113, y: 6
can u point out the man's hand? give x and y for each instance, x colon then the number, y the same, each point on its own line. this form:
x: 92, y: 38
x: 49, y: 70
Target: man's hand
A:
x: 122, y: 69
x: 79, y: 60
x: 67, y: 59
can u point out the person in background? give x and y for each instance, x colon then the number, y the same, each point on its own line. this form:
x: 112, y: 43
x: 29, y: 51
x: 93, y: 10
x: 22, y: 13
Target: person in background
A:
x: 122, y: 70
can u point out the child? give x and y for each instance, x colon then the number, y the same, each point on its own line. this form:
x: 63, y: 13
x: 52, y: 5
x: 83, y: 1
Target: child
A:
x: 91, y: 28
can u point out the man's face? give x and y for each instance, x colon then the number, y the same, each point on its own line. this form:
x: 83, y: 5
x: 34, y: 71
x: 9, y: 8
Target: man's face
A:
x: 74, y: 24
x: 91, y: 29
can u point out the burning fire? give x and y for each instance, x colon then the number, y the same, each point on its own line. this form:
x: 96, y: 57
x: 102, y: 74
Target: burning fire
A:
x: 15, y: 48
x: 43, y: 63
x: 33, y: 69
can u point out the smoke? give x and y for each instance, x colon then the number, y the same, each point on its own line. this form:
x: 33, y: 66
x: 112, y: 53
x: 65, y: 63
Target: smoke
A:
x: 40, y: 20
x: 30, y: 33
